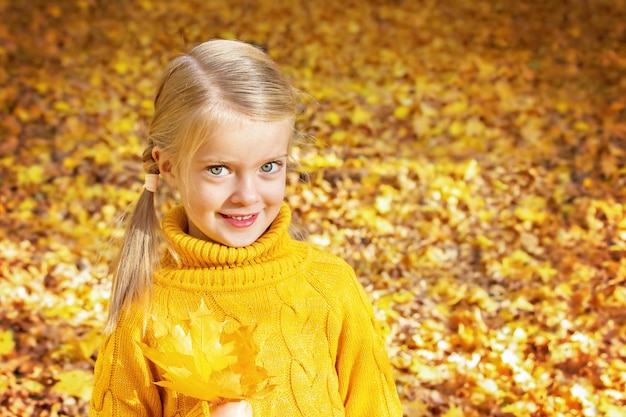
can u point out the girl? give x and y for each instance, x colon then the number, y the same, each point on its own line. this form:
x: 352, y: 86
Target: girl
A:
x: 221, y: 135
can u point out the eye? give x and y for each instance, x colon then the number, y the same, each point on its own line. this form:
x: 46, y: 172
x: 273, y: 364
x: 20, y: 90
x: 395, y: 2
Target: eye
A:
x: 217, y: 170
x: 270, y: 167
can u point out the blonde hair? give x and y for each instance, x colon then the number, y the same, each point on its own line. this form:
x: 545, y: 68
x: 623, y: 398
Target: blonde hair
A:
x: 216, y: 81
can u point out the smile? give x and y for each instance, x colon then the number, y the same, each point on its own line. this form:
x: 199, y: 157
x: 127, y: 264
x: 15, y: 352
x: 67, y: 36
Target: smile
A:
x: 241, y: 221
x: 241, y: 218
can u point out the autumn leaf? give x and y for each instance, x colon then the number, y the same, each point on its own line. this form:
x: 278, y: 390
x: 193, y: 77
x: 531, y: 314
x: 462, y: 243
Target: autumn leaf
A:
x: 454, y: 411
x: 6, y: 342
x: 471, y: 173
x: 200, y: 359
x: 76, y: 382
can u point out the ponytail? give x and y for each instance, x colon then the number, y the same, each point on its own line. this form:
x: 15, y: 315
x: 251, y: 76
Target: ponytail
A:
x: 139, y: 254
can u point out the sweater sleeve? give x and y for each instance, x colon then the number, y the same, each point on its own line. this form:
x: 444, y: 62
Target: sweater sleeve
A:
x: 365, y: 379
x: 123, y: 377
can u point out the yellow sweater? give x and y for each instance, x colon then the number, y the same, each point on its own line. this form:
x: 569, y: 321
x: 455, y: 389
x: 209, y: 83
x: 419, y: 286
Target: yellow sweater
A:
x: 321, y: 340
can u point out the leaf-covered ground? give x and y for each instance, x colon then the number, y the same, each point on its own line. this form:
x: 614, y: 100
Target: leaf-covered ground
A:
x: 469, y: 163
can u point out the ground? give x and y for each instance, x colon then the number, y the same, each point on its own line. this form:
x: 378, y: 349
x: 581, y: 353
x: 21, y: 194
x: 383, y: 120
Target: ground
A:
x: 466, y: 158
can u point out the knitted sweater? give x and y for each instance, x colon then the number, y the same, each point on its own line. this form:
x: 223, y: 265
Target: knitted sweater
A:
x: 321, y: 342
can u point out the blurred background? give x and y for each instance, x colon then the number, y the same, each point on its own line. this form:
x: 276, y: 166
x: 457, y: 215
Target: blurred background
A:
x: 467, y: 160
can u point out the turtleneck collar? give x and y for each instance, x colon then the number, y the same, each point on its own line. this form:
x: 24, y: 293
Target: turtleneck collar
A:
x: 269, y: 258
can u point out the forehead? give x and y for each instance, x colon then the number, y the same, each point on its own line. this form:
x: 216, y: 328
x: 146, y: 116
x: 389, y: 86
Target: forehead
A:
x: 244, y: 140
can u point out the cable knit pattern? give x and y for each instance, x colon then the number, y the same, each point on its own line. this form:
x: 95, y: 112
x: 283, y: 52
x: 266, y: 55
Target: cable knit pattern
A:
x: 318, y: 335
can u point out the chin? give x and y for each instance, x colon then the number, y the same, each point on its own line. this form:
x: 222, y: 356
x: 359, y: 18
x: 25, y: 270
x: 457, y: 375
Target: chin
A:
x: 240, y: 242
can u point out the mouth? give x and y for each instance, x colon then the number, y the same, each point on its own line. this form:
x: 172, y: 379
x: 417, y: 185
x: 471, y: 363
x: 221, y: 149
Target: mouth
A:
x: 240, y: 221
x: 239, y: 218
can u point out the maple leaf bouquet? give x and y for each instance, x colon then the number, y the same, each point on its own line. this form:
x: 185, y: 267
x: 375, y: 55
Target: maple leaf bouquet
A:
x: 202, y: 359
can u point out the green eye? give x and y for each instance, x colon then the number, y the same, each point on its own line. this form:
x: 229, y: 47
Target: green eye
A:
x: 216, y: 170
x: 267, y: 167
x: 271, y: 167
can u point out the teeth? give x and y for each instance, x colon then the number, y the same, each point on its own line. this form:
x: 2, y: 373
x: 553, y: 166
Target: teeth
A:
x: 241, y: 218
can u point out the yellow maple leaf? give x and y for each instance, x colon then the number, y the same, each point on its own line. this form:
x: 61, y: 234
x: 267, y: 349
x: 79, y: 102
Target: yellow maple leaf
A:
x: 34, y: 174
x: 401, y: 112
x: 425, y: 372
x: 6, y: 342
x: 77, y: 383
x: 201, y: 359
x: 333, y: 118
x: 454, y: 411
x: 83, y: 347
x: 416, y: 408
x: 457, y: 128
x: 360, y: 116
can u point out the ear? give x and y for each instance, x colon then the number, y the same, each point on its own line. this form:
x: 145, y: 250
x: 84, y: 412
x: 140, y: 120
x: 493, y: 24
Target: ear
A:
x: 165, y: 166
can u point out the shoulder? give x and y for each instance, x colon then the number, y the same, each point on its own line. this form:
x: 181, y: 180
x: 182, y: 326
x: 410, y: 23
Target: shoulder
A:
x: 323, y: 257
x: 335, y: 280
x: 327, y: 263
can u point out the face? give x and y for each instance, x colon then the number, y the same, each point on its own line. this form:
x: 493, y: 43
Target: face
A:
x: 235, y: 184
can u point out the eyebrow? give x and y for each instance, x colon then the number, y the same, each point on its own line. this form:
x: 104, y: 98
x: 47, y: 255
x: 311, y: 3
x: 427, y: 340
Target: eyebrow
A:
x: 282, y: 155
x: 219, y: 161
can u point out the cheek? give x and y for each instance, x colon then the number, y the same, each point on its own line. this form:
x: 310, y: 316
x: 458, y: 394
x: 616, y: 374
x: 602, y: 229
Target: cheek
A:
x: 195, y: 192
x: 277, y: 192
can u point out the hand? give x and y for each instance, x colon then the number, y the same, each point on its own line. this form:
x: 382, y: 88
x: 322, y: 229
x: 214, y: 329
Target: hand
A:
x: 232, y: 409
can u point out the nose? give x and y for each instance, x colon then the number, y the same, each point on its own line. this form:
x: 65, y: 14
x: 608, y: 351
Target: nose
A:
x: 246, y: 191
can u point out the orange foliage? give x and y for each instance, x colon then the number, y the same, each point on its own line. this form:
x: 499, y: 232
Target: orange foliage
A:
x: 469, y: 163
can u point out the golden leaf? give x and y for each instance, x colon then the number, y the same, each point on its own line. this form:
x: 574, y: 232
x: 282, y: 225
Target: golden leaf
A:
x: 454, y: 411
x: 401, y: 112
x: 360, y: 116
x: 31, y: 175
x: 521, y: 303
x: 333, y: 118
x: 77, y: 383
x: 425, y: 372
x: 6, y: 342
x: 415, y: 408
x: 457, y: 128
x: 202, y: 360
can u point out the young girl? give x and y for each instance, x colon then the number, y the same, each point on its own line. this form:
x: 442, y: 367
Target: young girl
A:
x: 221, y: 135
